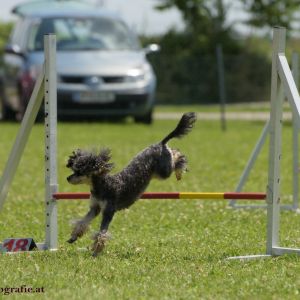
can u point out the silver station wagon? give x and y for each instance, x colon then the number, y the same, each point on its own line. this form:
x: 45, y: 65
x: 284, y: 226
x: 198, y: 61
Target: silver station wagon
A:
x: 102, y: 69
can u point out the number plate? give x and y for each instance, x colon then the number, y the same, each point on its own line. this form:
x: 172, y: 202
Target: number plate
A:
x: 94, y: 97
x: 16, y: 245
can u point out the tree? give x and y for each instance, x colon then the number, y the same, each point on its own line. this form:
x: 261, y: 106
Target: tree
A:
x: 206, y: 20
x: 186, y: 66
x: 5, y: 29
x: 271, y: 13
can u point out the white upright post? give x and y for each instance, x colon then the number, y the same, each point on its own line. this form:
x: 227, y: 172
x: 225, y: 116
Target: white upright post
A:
x: 50, y: 141
x: 275, y: 130
x: 273, y: 188
x: 295, y: 71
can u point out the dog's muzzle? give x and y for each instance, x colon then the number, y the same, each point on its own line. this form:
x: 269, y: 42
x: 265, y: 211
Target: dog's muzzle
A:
x: 73, y: 179
x: 77, y: 179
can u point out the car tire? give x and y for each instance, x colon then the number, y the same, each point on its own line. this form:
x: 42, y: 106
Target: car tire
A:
x: 7, y: 113
x: 145, y: 119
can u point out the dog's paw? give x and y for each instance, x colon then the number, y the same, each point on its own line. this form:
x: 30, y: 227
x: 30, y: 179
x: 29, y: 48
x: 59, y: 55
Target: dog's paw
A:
x: 72, y: 240
x: 79, y: 229
x: 99, y: 243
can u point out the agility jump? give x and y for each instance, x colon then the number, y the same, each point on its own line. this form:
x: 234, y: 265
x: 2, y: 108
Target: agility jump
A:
x: 258, y: 147
x: 282, y: 80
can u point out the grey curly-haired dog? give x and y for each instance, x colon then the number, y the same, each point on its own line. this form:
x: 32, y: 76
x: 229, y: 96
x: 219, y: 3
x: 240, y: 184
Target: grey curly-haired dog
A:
x: 110, y: 193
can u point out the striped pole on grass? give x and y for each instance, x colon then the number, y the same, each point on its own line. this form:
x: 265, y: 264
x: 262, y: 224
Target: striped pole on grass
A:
x: 174, y: 195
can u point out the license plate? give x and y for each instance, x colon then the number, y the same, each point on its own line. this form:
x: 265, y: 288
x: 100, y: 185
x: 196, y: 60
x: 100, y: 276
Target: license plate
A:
x: 94, y: 97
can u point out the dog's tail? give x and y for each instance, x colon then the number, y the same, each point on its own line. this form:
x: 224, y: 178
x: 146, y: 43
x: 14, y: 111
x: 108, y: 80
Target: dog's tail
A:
x: 184, y: 126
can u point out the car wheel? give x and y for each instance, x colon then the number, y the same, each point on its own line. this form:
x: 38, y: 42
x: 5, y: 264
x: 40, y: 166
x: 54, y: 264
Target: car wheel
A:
x: 145, y: 119
x: 7, y: 113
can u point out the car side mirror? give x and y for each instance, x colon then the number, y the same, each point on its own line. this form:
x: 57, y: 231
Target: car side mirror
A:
x: 13, y: 49
x: 152, y: 48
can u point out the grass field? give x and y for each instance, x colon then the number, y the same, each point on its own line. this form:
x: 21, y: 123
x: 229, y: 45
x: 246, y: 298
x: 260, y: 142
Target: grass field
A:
x: 160, y: 249
x: 230, y: 107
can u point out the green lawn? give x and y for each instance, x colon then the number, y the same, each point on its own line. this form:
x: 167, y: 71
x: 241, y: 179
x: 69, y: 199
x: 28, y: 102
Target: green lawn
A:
x: 231, y: 107
x: 160, y: 249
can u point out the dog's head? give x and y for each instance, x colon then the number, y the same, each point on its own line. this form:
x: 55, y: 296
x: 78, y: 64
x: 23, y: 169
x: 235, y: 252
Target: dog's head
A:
x: 85, y: 165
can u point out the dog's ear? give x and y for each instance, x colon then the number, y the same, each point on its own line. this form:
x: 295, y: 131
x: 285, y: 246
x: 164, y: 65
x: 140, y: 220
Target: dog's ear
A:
x: 108, y: 167
x: 103, y: 158
x: 105, y: 154
x: 73, y: 157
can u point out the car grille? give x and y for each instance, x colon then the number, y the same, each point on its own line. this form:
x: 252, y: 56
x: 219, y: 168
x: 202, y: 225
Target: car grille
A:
x: 83, y: 79
x: 125, y: 102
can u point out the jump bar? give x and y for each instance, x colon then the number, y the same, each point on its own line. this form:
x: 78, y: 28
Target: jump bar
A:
x: 173, y: 195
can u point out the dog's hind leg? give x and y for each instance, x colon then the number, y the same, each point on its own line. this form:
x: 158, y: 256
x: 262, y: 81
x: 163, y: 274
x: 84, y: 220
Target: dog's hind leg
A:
x: 163, y: 168
x: 101, y: 237
x: 180, y: 164
x: 82, y: 225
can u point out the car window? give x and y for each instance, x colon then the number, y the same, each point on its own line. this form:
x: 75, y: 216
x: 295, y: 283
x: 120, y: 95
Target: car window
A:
x: 83, y: 34
x: 17, y: 33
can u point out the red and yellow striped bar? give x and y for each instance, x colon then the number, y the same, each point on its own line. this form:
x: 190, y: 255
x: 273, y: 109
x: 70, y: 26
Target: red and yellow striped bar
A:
x: 174, y: 195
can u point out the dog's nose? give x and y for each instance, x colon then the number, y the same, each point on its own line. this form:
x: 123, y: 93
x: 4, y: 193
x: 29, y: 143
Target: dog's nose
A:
x: 68, y: 178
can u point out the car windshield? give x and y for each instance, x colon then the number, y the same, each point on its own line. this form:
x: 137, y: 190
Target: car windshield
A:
x: 75, y: 34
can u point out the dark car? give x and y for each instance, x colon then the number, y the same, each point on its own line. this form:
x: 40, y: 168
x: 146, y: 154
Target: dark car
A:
x: 101, y: 68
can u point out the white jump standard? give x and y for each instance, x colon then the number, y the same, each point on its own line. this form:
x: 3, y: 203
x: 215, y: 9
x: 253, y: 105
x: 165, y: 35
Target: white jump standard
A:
x: 281, y: 81
x: 258, y: 147
x: 45, y: 87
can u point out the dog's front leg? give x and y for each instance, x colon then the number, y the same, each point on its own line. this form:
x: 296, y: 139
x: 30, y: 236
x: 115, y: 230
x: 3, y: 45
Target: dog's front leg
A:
x: 81, y: 226
x: 102, y: 237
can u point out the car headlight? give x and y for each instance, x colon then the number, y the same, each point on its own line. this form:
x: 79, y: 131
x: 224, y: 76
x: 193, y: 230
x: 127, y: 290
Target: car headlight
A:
x: 135, y: 75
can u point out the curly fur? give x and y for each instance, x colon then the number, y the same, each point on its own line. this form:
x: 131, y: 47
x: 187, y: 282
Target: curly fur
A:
x: 110, y: 193
x: 84, y: 162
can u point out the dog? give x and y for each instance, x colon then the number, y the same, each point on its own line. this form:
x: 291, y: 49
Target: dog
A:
x: 111, y: 193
